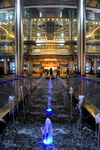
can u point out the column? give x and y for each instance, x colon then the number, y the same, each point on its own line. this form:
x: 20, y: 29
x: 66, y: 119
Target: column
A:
x: 30, y: 25
x: 5, y: 66
x: 81, y: 36
x: 71, y: 28
x: 71, y: 67
x: 29, y: 67
x: 95, y: 65
x: 18, y: 37
x: 71, y: 25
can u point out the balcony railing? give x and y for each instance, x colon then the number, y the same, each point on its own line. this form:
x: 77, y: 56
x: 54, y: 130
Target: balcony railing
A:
x: 92, y: 51
x: 49, y: 51
x: 7, y: 51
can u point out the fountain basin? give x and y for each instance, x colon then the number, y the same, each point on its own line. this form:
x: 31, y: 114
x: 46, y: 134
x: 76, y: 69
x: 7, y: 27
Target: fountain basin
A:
x: 89, y: 111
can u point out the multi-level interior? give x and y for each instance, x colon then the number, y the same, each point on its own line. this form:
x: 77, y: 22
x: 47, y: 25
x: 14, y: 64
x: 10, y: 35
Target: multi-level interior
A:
x: 50, y: 35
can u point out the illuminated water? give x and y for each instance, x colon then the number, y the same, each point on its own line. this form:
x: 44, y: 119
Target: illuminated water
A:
x: 47, y: 133
x: 28, y: 131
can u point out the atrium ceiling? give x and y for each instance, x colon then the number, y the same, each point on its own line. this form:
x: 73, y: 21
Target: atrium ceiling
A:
x: 10, y: 3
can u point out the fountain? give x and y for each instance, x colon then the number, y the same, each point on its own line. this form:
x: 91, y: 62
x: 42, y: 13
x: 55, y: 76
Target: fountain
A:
x: 50, y: 86
x: 71, y: 92
x: 50, y: 83
x: 22, y: 97
x: 28, y: 134
x: 47, y: 133
x: 11, y: 111
x: 97, y: 121
x: 28, y: 87
x: 21, y: 91
x: 79, y: 106
x: 50, y: 91
x: 49, y: 109
x: 49, y: 103
x: 11, y: 104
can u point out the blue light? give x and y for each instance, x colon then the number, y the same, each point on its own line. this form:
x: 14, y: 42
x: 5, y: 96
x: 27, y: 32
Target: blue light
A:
x: 50, y: 86
x: 50, y: 98
x: 48, y: 141
x: 49, y: 109
x: 49, y: 91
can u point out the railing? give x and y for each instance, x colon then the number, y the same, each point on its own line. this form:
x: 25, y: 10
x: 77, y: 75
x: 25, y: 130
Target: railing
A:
x: 7, y: 51
x: 40, y: 50
x: 92, y: 51
x: 52, y: 51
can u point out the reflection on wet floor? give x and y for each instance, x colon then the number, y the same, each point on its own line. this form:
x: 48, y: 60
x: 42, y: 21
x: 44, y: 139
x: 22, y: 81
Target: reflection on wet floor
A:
x: 10, y: 88
x: 89, y: 88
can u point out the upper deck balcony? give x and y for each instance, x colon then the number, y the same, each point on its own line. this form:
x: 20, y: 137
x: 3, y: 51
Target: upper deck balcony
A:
x: 49, y: 48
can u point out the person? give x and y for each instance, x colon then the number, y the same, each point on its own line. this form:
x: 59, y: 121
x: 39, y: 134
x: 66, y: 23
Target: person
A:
x: 67, y: 72
x: 47, y: 72
x: 51, y: 72
x: 58, y: 72
x: 41, y: 73
x: 91, y: 71
x: 75, y: 71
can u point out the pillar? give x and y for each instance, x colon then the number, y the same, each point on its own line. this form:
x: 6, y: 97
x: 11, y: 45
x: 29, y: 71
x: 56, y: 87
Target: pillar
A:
x: 71, y: 67
x: 81, y: 36
x: 5, y: 66
x: 71, y: 25
x: 18, y: 37
x: 95, y: 65
x: 30, y: 25
x: 29, y: 67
